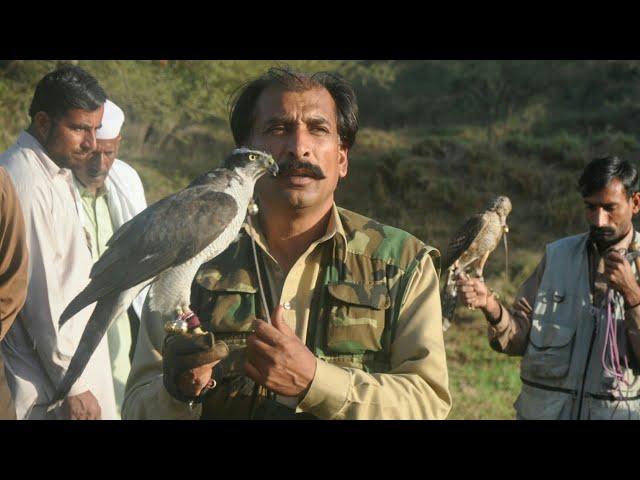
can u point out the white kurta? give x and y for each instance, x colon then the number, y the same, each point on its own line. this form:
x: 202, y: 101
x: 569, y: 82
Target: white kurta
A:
x: 36, y: 352
x: 125, y: 199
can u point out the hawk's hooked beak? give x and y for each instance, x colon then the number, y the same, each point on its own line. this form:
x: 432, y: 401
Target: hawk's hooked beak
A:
x: 273, y: 167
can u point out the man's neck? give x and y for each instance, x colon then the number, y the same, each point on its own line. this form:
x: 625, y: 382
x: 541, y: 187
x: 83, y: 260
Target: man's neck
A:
x: 622, y: 242
x: 289, y: 235
x: 42, y: 141
x: 92, y: 190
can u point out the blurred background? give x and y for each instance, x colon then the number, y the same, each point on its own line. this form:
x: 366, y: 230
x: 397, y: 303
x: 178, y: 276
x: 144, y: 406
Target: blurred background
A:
x: 437, y: 140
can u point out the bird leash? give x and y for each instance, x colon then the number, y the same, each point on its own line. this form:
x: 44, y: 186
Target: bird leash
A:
x: 505, y: 231
x: 252, y: 210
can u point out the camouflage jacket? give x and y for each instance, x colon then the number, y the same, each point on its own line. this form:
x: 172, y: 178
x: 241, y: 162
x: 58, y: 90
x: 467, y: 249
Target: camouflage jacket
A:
x: 353, y: 311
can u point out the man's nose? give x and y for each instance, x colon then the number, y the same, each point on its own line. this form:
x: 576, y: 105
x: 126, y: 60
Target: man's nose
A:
x: 299, y: 144
x: 89, y: 140
x: 601, y: 217
x: 104, y: 159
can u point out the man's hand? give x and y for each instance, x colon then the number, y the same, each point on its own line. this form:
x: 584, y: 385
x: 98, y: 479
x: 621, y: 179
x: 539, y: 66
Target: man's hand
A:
x: 475, y: 294
x: 277, y: 359
x: 188, y: 362
x: 619, y: 275
x: 83, y: 407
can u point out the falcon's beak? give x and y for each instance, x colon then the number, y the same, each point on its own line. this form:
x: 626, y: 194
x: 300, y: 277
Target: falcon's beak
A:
x: 272, y: 167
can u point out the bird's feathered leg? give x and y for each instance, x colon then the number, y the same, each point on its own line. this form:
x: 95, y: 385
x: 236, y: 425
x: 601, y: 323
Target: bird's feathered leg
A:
x: 480, y: 265
x: 186, y: 321
x: 505, y: 231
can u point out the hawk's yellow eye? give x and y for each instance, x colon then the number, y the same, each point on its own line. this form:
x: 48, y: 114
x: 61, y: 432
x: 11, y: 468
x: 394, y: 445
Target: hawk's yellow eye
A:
x: 253, y: 157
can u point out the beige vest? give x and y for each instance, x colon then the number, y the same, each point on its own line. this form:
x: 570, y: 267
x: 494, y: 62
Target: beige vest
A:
x: 561, y: 371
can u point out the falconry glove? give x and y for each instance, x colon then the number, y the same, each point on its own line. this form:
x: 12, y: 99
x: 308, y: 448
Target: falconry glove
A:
x: 184, y: 352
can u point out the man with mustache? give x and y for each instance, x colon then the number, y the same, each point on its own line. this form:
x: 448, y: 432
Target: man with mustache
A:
x: 576, y: 320
x: 355, y: 327
x: 109, y: 193
x: 66, y: 111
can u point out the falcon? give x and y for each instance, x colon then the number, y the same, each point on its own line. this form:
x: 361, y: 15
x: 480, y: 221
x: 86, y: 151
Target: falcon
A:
x: 470, y: 248
x: 165, y: 245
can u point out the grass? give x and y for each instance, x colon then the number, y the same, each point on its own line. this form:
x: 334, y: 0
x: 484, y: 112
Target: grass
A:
x: 484, y: 384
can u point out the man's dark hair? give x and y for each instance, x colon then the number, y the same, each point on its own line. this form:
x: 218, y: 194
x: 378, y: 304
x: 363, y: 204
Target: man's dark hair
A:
x: 64, y: 89
x: 243, y: 103
x: 599, y: 173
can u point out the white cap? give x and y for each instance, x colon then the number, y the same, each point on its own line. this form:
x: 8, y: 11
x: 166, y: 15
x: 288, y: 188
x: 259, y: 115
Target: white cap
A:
x: 112, y: 121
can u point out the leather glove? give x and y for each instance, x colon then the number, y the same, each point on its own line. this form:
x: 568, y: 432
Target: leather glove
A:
x: 184, y: 352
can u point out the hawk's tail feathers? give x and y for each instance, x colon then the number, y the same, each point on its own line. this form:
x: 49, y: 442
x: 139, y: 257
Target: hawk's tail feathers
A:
x: 107, y: 309
x: 76, y: 305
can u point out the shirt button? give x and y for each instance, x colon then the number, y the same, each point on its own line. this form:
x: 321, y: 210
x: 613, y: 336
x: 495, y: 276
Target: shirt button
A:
x: 287, y: 306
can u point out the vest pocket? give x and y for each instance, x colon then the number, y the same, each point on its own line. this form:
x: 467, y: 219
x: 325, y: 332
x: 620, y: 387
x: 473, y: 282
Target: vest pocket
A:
x: 228, y: 312
x: 549, y: 351
x: 356, y: 316
x: 230, y: 301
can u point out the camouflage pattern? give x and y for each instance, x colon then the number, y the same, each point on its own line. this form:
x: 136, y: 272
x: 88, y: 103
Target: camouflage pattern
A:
x: 353, y: 311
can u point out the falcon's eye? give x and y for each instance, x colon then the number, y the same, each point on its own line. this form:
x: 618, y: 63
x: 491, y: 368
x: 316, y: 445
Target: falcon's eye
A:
x: 253, y: 157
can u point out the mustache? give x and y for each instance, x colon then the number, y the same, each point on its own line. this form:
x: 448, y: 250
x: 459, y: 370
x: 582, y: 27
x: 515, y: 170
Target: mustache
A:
x: 601, y: 231
x: 300, y: 166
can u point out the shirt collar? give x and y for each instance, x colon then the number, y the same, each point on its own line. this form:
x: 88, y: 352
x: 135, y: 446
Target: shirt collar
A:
x: 334, y: 228
x: 26, y: 140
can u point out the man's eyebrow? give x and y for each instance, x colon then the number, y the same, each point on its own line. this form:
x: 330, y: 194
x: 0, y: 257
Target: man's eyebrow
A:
x: 318, y: 120
x: 603, y: 205
x: 278, y: 119
x: 82, y: 125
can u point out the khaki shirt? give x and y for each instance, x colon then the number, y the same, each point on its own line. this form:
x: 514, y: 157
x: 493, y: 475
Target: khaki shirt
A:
x: 511, y: 334
x: 417, y: 386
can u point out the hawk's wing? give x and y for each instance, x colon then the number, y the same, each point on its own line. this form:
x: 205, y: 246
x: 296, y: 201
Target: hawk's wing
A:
x: 462, y: 240
x: 162, y: 236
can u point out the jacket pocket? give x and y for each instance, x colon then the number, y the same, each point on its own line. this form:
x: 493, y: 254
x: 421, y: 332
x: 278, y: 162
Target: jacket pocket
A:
x: 549, y: 353
x: 356, y: 316
x: 229, y: 305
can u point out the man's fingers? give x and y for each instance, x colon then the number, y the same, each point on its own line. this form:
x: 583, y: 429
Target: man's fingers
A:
x: 256, y: 346
x: 266, y: 332
x: 280, y: 323
x: 277, y: 317
x: 467, y: 288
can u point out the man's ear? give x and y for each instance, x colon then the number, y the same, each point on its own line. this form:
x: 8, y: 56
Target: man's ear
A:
x: 343, y: 160
x: 635, y: 202
x: 42, y: 124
